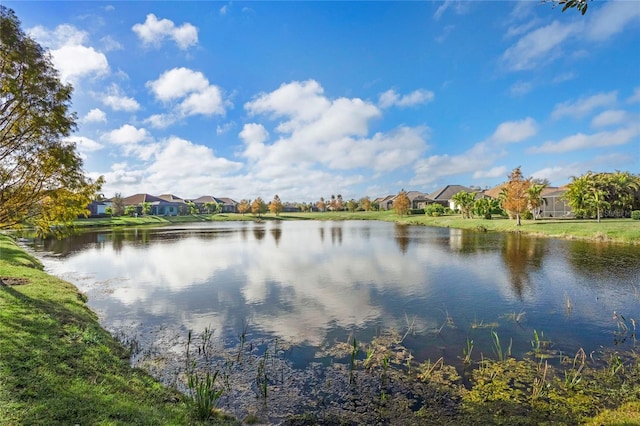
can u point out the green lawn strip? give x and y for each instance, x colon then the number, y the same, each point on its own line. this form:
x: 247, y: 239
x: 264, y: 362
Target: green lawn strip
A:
x: 58, y: 366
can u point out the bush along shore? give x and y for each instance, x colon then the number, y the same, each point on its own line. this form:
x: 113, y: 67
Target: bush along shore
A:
x: 58, y: 366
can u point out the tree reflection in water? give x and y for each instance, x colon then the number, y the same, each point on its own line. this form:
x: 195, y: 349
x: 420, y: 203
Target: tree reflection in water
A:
x: 521, y: 256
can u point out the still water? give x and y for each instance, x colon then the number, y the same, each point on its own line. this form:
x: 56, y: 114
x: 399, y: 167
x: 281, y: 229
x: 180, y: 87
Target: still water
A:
x: 310, y: 284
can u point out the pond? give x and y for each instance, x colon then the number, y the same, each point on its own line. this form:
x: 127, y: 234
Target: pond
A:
x: 305, y: 288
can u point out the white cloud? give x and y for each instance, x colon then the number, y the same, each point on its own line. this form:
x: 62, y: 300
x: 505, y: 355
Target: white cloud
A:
x: 539, y: 45
x: 96, y: 115
x: 391, y: 98
x: 610, y: 117
x: 431, y: 169
x: 197, y: 94
x: 207, y: 102
x: 115, y: 99
x: 515, y: 131
x: 85, y: 144
x: 223, y: 10
x: 317, y: 132
x: 221, y: 129
x: 177, y: 83
x: 584, y: 105
x: 153, y: 32
x: 457, y: 6
x: 127, y: 134
x: 111, y: 44
x: 611, y: 19
x: 581, y: 141
x: 161, y: 121
x: 494, y: 172
x: 545, y: 44
x: 70, y: 56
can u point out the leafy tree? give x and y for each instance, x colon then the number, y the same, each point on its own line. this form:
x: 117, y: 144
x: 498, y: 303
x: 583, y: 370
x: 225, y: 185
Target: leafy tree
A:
x: 42, y: 182
x: 375, y: 205
x: 536, y: 201
x: 339, y: 203
x: 599, y: 194
x: 131, y: 210
x: 365, y: 204
x: 244, y: 206
x: 108, y: 210
x: 515, y: 196
x: 401, y: 203
x: 219, y: 208
x: 211, y: 207
x: 352, y: 205
x: 321, y: 205
x: 258, y: 207
x: 275, y: 206
x: 483, y: 207
x: 117, y: 203
x: 464, y: 202
x: 145, y: 208
x: 332, y: 203
x: 193, y: 209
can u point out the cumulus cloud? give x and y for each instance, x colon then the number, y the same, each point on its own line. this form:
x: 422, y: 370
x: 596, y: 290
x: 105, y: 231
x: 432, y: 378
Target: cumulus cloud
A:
x: 70, y: 55
x: 582, y: 141
x: 313, y: 131
x: 435, y: 167
x: 127, y: 134
x: 391, y: 98
x: 154, y: 31
x: 115, y: 99
x: 197, y: 96
x: 96, y: 115
x: 584, y: 105
x: 515, y: 131
x: 635, y: 98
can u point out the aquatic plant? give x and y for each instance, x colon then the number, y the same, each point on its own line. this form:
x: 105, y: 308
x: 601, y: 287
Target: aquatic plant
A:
x: 497, y: 347
x: 466, y: 352
x: 204, y: 394
x: 352, y: 361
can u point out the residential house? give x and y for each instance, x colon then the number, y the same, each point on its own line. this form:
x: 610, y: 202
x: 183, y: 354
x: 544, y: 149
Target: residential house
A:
x: 554, y: 204
x: 98, y: 208
x: 385, y: 203
x: 445, y: 194
x: 159, y: 207
x: 229, y: 205
x: 183, y: 209
x: 201, y: 202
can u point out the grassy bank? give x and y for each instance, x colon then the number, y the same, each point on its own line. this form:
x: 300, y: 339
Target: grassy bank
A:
x: 58, y: 366
x: 625, y: 231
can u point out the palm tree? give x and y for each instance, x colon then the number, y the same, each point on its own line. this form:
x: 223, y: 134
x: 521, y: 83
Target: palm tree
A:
x: 465, y: 201
x: 536, y: 201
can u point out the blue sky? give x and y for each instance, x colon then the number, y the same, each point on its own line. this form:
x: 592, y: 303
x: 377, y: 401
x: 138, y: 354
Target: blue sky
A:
x: 309, y: 99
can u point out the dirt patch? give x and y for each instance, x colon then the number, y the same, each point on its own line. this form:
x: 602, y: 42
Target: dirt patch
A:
x: 11, y: 281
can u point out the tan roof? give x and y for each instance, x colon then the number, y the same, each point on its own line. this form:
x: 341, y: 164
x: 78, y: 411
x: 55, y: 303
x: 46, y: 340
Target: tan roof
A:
x: 139, y: 198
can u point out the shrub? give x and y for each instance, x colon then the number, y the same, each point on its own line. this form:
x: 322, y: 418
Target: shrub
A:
x: 434, y: 210
x: 526, y: 215
x: 635, y: 215
x: 416, y: 211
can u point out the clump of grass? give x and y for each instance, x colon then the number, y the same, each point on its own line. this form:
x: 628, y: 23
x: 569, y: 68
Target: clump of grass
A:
x: 205, y: 395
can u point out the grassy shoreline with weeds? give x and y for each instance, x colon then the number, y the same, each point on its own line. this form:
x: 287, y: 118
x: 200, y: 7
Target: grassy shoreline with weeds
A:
x: 59, y: 366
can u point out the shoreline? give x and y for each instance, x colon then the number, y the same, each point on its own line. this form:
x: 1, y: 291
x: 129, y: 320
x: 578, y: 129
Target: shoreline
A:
x: 618, y: 231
